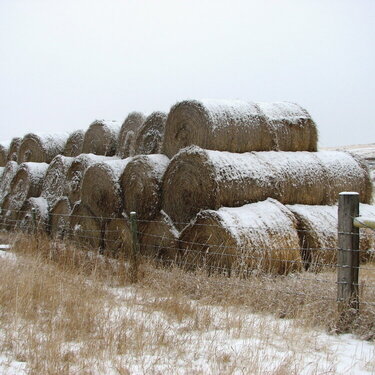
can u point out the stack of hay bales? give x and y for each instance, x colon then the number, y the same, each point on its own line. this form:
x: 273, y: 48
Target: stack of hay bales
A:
x: 209, y: 182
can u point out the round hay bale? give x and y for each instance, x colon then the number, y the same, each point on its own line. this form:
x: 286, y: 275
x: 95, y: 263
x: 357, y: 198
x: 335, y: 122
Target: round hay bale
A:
x: 159, y: 239
x: 9, y: 216
x: 118, y: 238
x: 317, y: 231
x: 75, y: 173
x: 26, y: 183
x: 128, y: 133
x: 239, y: 126
x: 84, y: 228
x: 204, y: 179
x: 13, y: 149
x: 74, y: 143
x: 60, y: 218
x: 54, y: 182
x: 258, y: 236
x: 1, y: 173
x: 8, y: 173
x: 33, y: 216
x: 150, y: 136
x: 101, y: 190
x: 141, y: 184
x: 41, y: 148
x: 4, y: 148
x: 101, y: 138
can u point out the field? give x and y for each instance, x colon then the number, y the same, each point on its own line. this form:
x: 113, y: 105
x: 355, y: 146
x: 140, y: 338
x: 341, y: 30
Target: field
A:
x: 70, y: 312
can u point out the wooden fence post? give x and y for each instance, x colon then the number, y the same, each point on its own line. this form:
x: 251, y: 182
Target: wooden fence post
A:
x: 348, y: 257
x: 134, y: 261
x: 33, y: 218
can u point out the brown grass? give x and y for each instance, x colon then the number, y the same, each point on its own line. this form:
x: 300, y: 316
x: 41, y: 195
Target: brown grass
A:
x: 66, y: 311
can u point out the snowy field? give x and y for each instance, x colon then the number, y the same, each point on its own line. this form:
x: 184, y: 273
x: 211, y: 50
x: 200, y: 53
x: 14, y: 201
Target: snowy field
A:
x: 172, y: 335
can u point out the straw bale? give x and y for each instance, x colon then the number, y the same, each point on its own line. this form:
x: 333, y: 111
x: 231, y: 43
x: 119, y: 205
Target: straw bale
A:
x: 141, y: 184
x: 101, y: 191
x: 204, y: 179
x: 84, y: 228
x: 239, y: 126
x: 128, y: 133
x: 259, y: 236
x: 26, y: 183
x: 41, y: 148
x: 74, y: 143
x: 75, y: 173
x: 317, y: 230
x: 37, y: 207
x: 101, y: 138
x: 4, y: 148
x: 159, y: 238
x: 55, y: 178
x: 8, y: 173
x: 60, y: 218
x: 150, y: 136
x: 13, y: 149
x: 118, y: 238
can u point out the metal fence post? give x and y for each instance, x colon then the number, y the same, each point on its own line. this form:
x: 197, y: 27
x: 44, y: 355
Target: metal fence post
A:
x: 348, y: 256
x: 134, y: 261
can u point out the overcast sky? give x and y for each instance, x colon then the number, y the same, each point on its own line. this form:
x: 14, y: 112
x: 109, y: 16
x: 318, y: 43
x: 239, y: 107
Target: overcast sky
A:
x: 65, y: 63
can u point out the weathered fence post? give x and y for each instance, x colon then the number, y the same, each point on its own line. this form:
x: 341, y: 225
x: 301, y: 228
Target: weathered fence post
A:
x: 348, y: 257
x: 33, y: 218
x: 135, y: 248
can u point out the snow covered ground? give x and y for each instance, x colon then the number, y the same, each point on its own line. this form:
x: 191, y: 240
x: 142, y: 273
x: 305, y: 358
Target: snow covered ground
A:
x: 191, y: 337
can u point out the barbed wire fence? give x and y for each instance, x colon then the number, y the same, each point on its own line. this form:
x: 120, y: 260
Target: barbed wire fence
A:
x: 346, y: 272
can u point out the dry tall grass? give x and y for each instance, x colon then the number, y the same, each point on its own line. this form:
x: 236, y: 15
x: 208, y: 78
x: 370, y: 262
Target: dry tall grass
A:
x: 66, y: 311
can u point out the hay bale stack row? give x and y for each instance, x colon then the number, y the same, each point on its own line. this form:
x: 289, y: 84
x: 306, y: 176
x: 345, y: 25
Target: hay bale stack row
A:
x: 218, y: 202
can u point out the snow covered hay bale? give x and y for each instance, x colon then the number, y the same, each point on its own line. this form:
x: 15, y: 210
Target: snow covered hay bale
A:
x: 317, y: 230
x: 150, y: 136
x: 118, y: 238
x: 1, y: 172
x: 159, y: 239
x: 26, y: 183
x: 33, y: 216
x: 74, y: 143
x: 54, y: 181
x: 101, y: 191
x: 75, y: 173
x: 4, y: 147
x: 204, y: 179
x: 259, y: 236
x: 8, y: 173
x: 60, y: 218
x: 84, y: 228
x: 13, y: 149
x: 128, y: 134
x: 41, y: 148
x: 101, y: 138
x: 239, y: 126
x: 141, y: 184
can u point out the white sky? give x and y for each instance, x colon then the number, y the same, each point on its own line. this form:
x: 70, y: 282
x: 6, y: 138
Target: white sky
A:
x: 65, y: 63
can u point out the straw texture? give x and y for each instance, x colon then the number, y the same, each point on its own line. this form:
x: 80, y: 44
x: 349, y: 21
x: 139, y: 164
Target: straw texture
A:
x: 59, y: 218
x: 101, y: 191
x: 260, y: 236
x: 150, y: 136
x: 204, y: 179
x: 41, y: 148
x: 239, y: 126
x: 74, y: 143
x: 128, y: 134
x: 101, y: 138
x: 141, y: 184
